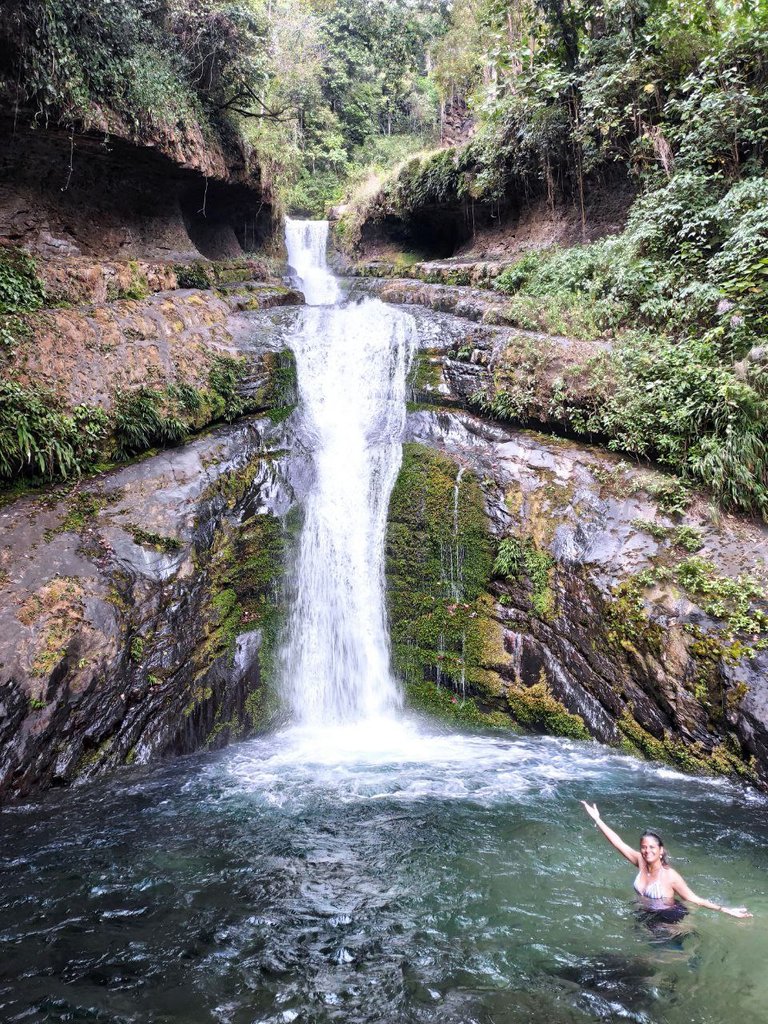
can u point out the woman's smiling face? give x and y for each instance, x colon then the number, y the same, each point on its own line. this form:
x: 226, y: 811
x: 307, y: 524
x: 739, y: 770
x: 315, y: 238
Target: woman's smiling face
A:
x: 650, y: 850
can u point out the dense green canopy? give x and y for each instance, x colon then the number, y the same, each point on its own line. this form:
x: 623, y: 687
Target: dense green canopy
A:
x: 311, y: 87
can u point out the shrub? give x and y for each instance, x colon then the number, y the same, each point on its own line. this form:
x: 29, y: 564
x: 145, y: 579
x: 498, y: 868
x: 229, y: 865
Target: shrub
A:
x: 675, y: 402
x: 224, y: 381
x: 20, y: 288
x: 519, y: 274
x: 509, y: 558
x: 138, y: 423
x: 192, y: 275
x: 73, y: 59
x: 37, y: 439
x: 515, y: 557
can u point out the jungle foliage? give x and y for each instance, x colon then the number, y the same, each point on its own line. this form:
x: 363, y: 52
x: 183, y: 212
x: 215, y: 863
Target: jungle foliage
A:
x: 41, y: 441
x: 311, y: 90
x: 354, y: 75
x: 669, y: 98
x: 563, y: 90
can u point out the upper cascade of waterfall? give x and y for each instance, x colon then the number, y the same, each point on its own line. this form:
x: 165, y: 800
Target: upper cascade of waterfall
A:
x: 307, y: 243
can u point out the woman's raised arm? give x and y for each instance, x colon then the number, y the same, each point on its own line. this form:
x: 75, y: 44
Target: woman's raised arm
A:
x: 613, y: 838
x: 685, y: 892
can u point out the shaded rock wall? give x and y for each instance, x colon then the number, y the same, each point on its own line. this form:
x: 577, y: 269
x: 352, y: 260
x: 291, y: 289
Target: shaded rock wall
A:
x: 102, y: 195
x: 495, y: 231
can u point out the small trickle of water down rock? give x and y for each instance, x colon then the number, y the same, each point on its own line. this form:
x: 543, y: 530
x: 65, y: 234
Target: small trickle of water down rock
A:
x: 352, y: 363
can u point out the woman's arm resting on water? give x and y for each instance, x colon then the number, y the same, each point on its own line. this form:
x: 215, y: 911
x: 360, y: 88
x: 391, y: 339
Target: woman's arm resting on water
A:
x: 685, y: 892
x: 615, y: 840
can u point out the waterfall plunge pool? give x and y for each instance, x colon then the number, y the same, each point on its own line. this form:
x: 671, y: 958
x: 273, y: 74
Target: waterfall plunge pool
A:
x: 387, y: 873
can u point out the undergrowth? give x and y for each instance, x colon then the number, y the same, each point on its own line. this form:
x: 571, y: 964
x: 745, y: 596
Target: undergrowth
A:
x: 41, y: 441
x: 515, y: 558
x: 21, y: 291
x: 38, y: 439
x: 668, y: 388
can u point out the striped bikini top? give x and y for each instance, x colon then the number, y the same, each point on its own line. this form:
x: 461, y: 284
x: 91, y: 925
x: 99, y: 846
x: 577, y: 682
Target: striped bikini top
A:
x: 654, y: 891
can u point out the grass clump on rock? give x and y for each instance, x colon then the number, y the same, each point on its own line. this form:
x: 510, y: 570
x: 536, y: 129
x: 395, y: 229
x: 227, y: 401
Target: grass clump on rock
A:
x: 38, y: 439
x: 515, y: 558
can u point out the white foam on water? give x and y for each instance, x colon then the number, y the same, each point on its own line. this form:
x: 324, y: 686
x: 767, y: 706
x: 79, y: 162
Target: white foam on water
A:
x: 396, y: 757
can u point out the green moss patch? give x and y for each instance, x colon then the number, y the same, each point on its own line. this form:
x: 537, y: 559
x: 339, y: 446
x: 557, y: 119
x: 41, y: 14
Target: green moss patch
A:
x: 443, y: 702
x: 628, y: 623
x: 427, y: 371
x: 723, y: 759
x: 439, y: 561
x: 83, y: 509
x: 57, y: 610
x: 280, y: 392
x: 534, y: 707
x: 137, y: 286
x: 160, y: 542
x: 245, y: 573
x: 516, y: 558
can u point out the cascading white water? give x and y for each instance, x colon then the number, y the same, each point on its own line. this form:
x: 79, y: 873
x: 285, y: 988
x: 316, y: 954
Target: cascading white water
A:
x: 306, y: 242
x: 352, y: 363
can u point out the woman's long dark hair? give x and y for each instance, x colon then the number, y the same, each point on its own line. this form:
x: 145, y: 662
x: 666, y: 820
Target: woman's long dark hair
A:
x: 657, y: 838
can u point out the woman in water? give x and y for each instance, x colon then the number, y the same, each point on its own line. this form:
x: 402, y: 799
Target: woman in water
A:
x: 657, y: 884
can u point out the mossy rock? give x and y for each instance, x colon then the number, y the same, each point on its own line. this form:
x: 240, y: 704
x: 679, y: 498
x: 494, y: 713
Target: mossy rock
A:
x: 534, y: 707
x: 427, y: 372
x: 723, y: 759
x: 439, y: 561
x: 453, y: 706
x: 281, y: 389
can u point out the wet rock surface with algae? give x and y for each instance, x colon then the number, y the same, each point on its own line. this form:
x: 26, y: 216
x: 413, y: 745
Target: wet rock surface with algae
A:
x: 622, y: 597
x: 138, y: 609
x: 610, y: 607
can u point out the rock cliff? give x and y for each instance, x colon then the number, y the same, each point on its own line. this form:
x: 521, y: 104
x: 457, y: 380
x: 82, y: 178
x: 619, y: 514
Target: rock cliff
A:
x: 602, y: 600
x: 139, y: 610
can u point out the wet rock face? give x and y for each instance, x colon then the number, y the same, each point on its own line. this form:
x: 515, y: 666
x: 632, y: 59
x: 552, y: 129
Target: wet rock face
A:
x: 139, y: 611
x: 439, y: 557
x: 600, y: 618
x: 471, y: 303
x: 486, y: 365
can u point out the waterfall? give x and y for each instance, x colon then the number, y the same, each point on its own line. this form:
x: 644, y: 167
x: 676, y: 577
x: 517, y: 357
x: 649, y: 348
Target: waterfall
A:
x: 352, y: 363
x: 306, y: 242
x: 456, y: 553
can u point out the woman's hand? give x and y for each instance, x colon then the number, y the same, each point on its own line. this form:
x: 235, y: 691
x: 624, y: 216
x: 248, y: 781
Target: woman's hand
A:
x: 736, y: 911
x: 613, y: 838
x: 591, y: 810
